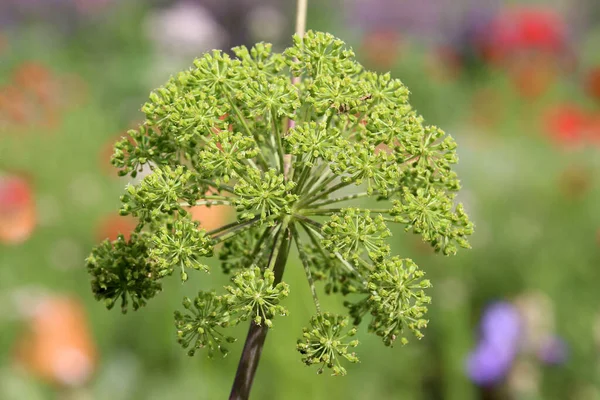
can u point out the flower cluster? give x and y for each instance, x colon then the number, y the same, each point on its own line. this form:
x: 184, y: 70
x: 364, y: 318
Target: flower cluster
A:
x: 122, y: 269
x: 322, y: 343
x: 283, y: 155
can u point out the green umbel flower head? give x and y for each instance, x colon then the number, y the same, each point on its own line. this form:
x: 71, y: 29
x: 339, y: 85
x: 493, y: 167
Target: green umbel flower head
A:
x: 297, y: 161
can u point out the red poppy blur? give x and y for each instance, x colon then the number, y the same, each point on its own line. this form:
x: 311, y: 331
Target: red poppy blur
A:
x: 567, y: 124
x: 518, y: 29
x: 17, y: 210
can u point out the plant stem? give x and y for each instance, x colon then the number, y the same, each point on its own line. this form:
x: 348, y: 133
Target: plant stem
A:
x: 300, y: 29
x: 257, y: 334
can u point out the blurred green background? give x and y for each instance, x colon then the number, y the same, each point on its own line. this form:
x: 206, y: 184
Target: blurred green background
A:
x: 517, y: 83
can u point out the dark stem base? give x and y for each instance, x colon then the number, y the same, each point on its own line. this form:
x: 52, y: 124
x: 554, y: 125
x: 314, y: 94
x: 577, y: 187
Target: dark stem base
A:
x: 257, y: 334
x: 248, y: 362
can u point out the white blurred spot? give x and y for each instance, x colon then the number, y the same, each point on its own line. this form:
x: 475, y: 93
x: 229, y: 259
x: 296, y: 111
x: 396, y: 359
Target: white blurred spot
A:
x: 85, y: 191
x: 185, y: 28
x: 49, y: 213
x: 66, y: 254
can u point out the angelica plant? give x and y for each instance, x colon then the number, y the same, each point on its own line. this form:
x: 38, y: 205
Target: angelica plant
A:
x: 293, y: 158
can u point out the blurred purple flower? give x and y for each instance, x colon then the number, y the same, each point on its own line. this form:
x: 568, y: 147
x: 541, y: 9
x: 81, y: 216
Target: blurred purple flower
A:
x: 433, y: 21
x: 489, y: 363
x: 501, y: 324
x: 553, y: 351
x: 500, y: 329
x: 421, y: 18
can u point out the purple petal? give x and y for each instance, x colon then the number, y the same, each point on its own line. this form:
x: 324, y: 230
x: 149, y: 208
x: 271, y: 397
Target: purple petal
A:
x: 501, y: 324
x: 489, y: 363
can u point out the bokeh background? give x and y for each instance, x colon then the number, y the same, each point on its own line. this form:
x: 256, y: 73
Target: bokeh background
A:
x: 517, y: 83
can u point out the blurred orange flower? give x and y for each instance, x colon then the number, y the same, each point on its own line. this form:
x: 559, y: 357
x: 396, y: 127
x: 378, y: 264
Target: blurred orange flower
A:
x: 17, y: 210
x: 36, y: 79
x: 34, y: 96
x: 112, y: 225
x: 57, y: 346
x: 13, y: 105
x: 211, y: 217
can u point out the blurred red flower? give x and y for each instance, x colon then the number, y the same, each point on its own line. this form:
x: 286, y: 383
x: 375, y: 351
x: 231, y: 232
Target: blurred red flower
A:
x: 567, y: 124
x: 17, y: 210
x: 519, y: 29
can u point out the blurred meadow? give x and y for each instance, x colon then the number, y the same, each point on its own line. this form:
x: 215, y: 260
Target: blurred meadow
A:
x: 517, y: 83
